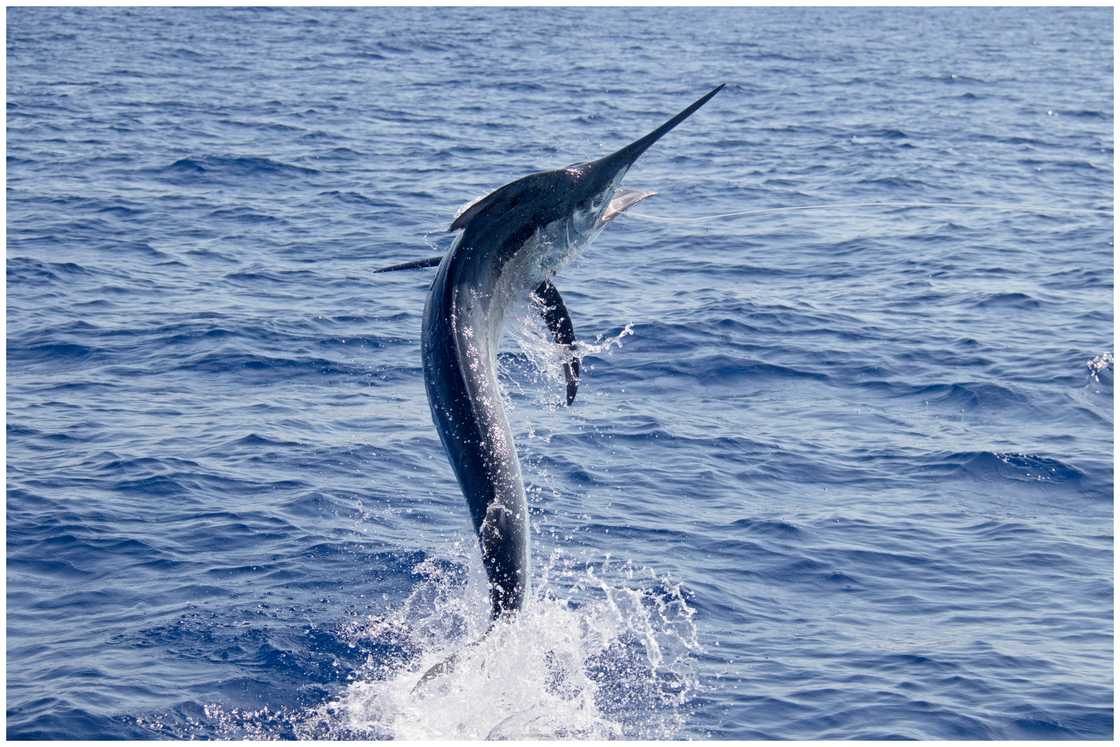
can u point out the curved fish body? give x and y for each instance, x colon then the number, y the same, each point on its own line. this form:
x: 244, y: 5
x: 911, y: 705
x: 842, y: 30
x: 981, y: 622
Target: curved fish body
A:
x: 511, y: 244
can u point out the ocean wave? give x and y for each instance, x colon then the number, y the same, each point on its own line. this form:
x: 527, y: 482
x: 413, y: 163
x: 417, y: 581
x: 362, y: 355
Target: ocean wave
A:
x: 775, y: 529
x: 1008, y: 300
x: 240, y: 362
x: 243, y: 215
x: 31, y: 270
x: 205, y: 168
x: 57, y: 718
x: 52, y: 352
x: 969, y: 395
x: 1003, y: 466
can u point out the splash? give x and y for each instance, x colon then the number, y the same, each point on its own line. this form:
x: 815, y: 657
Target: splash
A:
x: 1100, y: 365
x: 602, y: 652
x: 543, y: 361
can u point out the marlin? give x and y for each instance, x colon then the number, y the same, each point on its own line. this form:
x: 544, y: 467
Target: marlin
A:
x: 510, y: 245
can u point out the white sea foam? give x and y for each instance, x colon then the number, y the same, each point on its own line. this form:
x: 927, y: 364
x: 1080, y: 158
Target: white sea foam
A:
x: 1100, y: 365
x: 601, y: 652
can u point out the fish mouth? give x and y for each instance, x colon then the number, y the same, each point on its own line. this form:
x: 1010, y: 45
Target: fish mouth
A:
x: 622, y: 200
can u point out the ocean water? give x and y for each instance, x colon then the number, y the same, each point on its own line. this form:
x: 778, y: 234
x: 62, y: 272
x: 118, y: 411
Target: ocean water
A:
x: 841, y: 465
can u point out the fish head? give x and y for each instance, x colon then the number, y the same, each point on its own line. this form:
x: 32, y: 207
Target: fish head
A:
x: 556, y: 213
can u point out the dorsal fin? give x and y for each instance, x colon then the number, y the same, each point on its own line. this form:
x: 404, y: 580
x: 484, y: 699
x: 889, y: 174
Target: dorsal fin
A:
x: 500, y: 200
x: 413, y: 265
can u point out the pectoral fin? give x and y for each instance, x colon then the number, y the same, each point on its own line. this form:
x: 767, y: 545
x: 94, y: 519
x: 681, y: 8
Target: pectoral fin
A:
x: 559, y: 322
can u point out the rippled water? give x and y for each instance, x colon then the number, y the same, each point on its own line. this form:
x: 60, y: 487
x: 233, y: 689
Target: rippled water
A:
x: 840, y: 472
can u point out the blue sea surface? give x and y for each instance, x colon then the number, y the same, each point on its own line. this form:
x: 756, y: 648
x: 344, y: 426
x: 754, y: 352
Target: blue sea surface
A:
x: 841, y: 465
